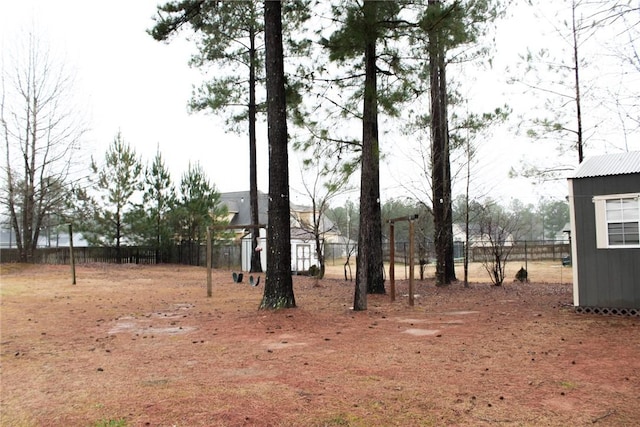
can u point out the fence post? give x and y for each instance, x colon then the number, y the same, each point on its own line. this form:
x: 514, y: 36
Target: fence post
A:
x: 392, y: 261
x: 404, y: 251
x: 411, y: 261
x: 71, y: 258
x: 209, y: 290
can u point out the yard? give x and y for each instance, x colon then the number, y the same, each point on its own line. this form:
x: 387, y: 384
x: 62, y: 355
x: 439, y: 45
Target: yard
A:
x: 143, y: 346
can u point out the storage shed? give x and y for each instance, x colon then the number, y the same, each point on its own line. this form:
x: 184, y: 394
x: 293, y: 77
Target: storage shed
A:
x: 604, y: 201
x: 303, y: 244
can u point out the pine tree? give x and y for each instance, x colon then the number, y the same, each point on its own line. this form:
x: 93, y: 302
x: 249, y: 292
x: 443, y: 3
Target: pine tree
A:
x: 199, y: 205
x: 278, y: 291
x: 355, y: 44
x: 448, y: 29
x: 117, y: 182
x: 159, y: 199
x: 230, y: 34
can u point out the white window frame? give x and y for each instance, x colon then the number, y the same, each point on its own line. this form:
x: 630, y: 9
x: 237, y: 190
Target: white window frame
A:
x: 602, y: 229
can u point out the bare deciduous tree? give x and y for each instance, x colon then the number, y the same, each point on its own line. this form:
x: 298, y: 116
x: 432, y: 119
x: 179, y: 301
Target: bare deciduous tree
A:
x: 496, y: 227
x: 327, y: 178
x: 40, y: 136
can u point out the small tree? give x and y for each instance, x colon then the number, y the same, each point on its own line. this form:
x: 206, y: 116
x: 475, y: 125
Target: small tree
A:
x: 118, y: 180
x: 158, y: 201
x: 347, y: 219
x: 199, y: 206
x: 496, y: 227
x: 326, y: 179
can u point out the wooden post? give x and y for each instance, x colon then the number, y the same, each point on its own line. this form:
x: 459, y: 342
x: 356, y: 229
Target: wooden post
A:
x: 72, y: 260
x: 411, y: 262
x: 209, y: 286
x: 392, y: 261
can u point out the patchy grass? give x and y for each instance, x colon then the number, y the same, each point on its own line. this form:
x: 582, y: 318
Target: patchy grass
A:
x: 121, y: 422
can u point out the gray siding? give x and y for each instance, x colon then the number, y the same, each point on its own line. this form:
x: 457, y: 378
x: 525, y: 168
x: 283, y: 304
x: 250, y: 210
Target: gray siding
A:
x: 606, y: 277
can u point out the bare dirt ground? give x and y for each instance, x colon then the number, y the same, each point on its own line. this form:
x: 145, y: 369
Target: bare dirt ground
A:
x: 144, y: 346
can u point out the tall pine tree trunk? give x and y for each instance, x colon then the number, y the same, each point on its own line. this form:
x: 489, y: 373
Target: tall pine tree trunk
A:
x: 576, y: 65
x: 256, y: 265
x: 278, y: 291
x: 450, y: 272
x: 369, y: 267
x: 441, y: 169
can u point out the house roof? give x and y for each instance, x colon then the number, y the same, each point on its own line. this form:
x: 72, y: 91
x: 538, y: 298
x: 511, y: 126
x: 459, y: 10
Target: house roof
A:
x: 238, y: 205
x: 237, y: 202
x: 609, y: 164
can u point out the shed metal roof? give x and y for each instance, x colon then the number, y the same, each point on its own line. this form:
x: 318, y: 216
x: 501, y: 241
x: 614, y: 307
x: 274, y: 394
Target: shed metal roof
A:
x: 609, y: 164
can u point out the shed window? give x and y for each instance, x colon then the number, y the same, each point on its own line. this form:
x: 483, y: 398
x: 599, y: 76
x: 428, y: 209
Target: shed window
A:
x: 622, y: 221
x: 618, y: 221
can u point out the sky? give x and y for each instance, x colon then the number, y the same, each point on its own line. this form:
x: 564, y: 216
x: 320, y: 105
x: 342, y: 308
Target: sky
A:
x: 127, y: 82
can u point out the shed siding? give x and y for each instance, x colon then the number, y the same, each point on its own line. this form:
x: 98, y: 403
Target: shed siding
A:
x: 606, y: 277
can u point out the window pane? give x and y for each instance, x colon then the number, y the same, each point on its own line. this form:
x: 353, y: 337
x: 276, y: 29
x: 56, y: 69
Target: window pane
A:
x: 631, y: 235
x: 615, y: 228
x: 614, y: 210
x: 623, y: 233
x: 631, y: 210
x: 623, y: 220
x: 616, y: 239
x: 614, y: 215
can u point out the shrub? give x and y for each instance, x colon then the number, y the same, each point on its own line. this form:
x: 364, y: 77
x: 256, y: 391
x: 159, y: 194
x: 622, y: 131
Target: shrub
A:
x: 522, y: 275
x: 314, y: 271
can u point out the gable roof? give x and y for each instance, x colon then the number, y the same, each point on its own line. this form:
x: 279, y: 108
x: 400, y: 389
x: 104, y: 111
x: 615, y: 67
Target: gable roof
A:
x: 239, y: 208
x: 238, y: 203
x: 609, y: 164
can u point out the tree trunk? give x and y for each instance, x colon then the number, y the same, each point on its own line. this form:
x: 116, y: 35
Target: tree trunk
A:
x: 278, y: 291
x: 318, y: 233
x: 320, y: 256
x: 466, y: 218
x: 441, y: 169
x: 369, y: 267
x: 118, y: 235
x: 576, y: 64
x: 450, y: 272
x: 256, y: 265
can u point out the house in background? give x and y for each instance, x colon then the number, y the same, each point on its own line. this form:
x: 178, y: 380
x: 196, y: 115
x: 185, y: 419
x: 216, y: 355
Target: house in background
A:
x: 479, y: 239
x: 604, y: 196
x: 238, y: 206
x: 55, y: 238
x: 303, y: 244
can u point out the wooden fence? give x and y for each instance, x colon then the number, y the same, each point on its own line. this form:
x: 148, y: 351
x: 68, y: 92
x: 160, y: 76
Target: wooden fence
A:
x: 223, y: 256
x: 229, y: 256
x: 546, y: 250
x: 530, y: 251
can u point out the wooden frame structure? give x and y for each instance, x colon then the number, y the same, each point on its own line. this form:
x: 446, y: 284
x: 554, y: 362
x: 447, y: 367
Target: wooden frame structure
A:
x: 392, y: 256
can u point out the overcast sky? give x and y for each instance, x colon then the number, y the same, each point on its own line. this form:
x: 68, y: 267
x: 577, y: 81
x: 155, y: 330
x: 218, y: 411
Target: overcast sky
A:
x: 128, y: 82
